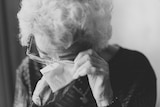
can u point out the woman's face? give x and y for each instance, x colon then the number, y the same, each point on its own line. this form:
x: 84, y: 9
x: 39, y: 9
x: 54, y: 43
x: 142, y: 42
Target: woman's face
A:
x: 48, y: 50
x: 45, y: 47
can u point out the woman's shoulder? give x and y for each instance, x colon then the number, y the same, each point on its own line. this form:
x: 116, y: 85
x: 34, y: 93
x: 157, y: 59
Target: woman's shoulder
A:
x: 130, y: 60
x: 28, y: 72
x: 128, y: 65
x: 131, y: 71
x: 27, y: 65
x: 130, y: 56
x: 24, y: 66
x: 28, y: 69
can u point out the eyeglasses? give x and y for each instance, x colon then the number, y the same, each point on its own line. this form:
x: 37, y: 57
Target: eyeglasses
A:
x: 35, y: 57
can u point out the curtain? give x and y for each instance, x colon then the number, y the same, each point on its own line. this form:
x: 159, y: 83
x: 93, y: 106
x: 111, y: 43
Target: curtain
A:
x: 11, y: 53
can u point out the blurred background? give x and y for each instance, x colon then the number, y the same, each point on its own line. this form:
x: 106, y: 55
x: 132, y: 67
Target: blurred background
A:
x: 136, y: 25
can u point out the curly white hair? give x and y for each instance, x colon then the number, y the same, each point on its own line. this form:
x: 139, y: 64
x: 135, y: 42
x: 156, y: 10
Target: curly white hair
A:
x: 62, y: 19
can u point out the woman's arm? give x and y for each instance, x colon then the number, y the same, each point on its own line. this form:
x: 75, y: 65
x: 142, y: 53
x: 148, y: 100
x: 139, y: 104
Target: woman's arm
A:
x: 22, y: 96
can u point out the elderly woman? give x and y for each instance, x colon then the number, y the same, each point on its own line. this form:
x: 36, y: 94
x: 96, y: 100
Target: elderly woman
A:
x: 75, y: 33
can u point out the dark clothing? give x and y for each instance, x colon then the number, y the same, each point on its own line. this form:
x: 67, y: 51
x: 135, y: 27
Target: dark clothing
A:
x: 133, y: 82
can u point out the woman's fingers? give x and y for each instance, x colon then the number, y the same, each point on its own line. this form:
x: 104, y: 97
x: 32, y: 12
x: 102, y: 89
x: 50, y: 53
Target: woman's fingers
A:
x: 81, y: 54
x: 41, y: 92
x: 87, y: 62
x: 83, y: 59
x: 85, y: 69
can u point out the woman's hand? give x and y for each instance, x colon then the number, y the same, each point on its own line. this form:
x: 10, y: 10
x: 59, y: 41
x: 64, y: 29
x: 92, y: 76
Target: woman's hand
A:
x: 96, y: 68
x: 42, y: 94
